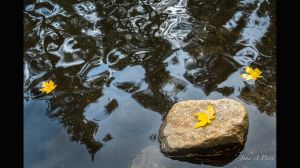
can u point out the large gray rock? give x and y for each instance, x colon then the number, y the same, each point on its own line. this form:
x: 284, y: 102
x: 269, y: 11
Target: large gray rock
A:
x: 219, y: 141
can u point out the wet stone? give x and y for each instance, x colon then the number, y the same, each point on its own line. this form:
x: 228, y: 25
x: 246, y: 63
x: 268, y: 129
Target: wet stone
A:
x: 216, y: 143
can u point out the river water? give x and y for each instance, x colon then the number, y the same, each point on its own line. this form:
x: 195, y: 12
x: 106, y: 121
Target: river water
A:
x: 120, y: 65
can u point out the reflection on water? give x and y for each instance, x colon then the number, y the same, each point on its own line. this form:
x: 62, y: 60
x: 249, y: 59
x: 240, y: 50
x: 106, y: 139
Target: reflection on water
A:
x: 114, y: 59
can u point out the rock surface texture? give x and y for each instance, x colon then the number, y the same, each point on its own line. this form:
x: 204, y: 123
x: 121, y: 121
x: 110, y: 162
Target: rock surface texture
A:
x: 218, y: 142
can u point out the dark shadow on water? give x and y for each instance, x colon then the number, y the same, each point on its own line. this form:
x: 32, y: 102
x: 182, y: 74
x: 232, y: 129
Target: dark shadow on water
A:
x: 218, y: 161
x: 264, y: 96
x: 68, y: 109
x: 217, y: 156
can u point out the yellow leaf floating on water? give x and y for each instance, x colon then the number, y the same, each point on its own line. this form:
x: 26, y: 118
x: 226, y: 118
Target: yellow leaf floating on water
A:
x: 48, y: 87
x: 205, y: 117
x: 252, y: 74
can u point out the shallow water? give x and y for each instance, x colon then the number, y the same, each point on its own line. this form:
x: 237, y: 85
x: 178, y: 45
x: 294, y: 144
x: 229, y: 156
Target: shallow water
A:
x: 121, y: 65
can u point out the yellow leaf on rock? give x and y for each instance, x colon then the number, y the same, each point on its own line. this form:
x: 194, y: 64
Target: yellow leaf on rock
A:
x: 200, y: 124
x: 210, y: 112
x: 205, y: 117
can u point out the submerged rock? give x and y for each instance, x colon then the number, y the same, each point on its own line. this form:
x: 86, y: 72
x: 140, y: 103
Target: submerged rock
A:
x: 150, y: 157
x: 217, y: 143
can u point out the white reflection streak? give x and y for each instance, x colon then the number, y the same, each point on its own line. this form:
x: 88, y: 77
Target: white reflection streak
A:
x: 252, y: 34
x: 177, y: 26
x: 87, y: 11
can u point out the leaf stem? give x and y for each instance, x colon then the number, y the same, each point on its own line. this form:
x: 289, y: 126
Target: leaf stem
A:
x: 264, y: 83
x: 53, y: 94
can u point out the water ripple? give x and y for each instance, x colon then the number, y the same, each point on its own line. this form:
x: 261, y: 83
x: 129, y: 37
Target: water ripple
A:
x: 177, y: 26
x: 251, y: 35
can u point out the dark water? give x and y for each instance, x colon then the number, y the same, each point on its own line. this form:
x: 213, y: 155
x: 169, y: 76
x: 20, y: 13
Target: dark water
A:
x: 121, y: 64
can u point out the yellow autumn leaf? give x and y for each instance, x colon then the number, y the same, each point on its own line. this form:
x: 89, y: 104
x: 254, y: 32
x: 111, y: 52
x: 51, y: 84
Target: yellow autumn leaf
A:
x: 205, y: 117
x: 48, y: 87
x: 252, y: 74
x: 210, y: 112
x: 200, y: 124
x: 249, y: 70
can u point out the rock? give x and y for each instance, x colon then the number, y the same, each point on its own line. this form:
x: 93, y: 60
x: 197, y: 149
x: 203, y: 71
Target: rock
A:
x: 217, y: 143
